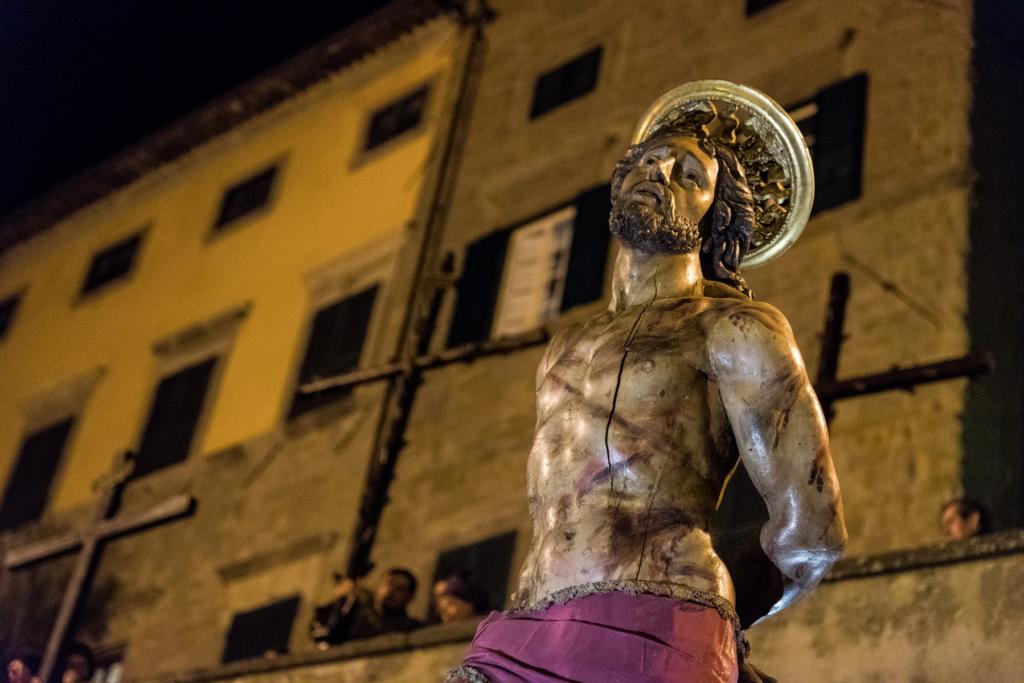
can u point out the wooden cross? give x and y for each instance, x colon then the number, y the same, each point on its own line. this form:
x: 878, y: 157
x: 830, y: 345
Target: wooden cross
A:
x: 830, y: 389
x: 104, y: 527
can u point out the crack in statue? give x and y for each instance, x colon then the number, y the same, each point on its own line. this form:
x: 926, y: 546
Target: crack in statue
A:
x: 643, y: 412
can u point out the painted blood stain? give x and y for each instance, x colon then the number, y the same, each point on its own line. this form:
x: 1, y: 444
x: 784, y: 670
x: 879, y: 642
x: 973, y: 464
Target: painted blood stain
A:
x: 817, y: 476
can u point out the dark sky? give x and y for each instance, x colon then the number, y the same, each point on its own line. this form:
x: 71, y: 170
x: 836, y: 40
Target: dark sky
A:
x: 82, y: 79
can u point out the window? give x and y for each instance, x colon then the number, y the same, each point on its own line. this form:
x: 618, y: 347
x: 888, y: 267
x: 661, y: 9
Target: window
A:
x: 755, y: 6
x: 8, y: 307
x: 112, y: 263
x: 28, y: 487
x: 245, y: 197
x: 833, y: 126
x: 109, y: 666
x: 554, y: 263
x: 261, y: 631
x: 335, y: 346
x: 396, y: 118
x: 535, y: 269
x: 176, y: 409
x: 566, y: 83
x: 488, y: 561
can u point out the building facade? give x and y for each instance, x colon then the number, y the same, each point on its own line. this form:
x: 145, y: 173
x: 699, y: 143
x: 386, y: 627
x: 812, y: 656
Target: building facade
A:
x: 894, y: 100
x: 177, y: 317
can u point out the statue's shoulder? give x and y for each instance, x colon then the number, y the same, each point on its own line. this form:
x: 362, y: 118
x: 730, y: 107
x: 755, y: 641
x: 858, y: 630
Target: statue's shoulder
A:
x: 743, y: 325
x: 560, y: 343
x: 727, y: 302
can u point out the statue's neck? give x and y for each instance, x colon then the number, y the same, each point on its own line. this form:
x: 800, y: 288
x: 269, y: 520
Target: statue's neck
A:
x: 640, y: 277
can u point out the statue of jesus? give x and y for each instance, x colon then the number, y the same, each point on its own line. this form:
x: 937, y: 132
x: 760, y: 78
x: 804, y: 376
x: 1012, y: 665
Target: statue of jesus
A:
x: 644, y: 410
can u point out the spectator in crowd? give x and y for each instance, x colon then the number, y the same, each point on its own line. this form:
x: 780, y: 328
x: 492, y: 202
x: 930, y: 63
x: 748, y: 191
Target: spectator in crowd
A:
x: 457, y: 597
x: 964, y: 518
x: 79, y: 666
x: 356, y: 613
x: 21, y: 669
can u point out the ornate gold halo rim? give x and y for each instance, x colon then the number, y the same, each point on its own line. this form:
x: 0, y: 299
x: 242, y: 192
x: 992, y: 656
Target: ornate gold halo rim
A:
x: 782, y: 137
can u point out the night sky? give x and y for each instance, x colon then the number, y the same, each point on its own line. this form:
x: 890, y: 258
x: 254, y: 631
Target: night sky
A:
x: 82, y: 79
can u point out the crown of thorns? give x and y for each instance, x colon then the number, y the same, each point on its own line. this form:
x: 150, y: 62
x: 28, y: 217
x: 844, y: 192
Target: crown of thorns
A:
x: 767, y: 178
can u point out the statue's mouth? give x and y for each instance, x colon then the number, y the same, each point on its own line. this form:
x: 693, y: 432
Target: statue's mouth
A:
x: 654, y: 195
x: 649, y: 189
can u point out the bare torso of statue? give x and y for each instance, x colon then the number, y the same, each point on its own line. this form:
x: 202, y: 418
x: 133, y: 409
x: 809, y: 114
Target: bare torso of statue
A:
x: 631, y: 451
x: 644, y: 410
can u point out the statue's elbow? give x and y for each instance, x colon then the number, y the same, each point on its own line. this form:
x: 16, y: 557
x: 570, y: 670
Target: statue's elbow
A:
x: 837, y: 536
x: 832, y: 547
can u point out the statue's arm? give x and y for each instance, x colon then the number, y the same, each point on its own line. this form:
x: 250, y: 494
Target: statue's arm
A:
x: 783, y: 442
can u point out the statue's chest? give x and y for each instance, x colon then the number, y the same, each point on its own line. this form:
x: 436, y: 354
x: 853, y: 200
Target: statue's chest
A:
x: 657, y: 356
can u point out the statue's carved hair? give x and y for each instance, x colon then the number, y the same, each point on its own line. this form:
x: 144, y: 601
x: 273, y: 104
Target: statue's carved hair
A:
x: 729, y: 223
x: 727, y: 227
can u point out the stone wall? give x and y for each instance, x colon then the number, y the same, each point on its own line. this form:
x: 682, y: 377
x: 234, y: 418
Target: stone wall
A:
x: 944, y: 613
x: 462, y: 476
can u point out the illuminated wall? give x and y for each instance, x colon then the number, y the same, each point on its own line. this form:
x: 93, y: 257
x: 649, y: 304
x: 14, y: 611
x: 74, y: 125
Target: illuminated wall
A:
x: 253, y: 282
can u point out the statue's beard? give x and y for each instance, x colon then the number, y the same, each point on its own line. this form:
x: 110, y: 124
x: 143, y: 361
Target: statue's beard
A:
x: 648, y: 229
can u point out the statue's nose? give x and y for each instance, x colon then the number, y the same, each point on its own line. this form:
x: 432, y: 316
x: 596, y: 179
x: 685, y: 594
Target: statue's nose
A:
x: 659, y: 169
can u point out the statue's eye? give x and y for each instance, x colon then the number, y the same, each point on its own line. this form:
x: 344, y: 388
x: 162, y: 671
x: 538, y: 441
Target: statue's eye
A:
x: 693, y: 177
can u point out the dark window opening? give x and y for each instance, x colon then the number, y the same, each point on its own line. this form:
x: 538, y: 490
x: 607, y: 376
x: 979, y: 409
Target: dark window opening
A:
x: 8, y: 307
x: 335, y: 347
x: 245, y: 197
x: 112, y: 263
x: 28, y: 487
x: 565, y: 83
x: 261, y: 631
x: 109, y: 666
x: 478, y: 288
x: 755, y: 6
x: 833, y: 126
x: 177, y: 406
x: 488, y: 562
x: 396, y: 118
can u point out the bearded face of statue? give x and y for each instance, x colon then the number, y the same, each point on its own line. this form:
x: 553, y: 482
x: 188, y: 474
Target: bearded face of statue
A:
x: 660, y: 193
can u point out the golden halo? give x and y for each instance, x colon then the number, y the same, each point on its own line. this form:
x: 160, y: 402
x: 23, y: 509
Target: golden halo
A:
x: 768, y: 144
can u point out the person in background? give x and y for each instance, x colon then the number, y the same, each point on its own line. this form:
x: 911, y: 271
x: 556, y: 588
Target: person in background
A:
x: 79, y: 664
x: 20, y: 669
x: 356, y: 613
x: 458, y: 598
x: 964, y: 518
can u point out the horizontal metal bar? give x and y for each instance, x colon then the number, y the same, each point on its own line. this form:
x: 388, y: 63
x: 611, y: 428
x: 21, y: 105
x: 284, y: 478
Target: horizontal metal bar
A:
x: 459, y: 354
x: 905, y: 378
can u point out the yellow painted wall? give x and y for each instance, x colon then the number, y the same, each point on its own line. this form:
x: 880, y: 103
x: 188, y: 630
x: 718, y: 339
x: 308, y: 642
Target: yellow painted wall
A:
x: 327, y: 202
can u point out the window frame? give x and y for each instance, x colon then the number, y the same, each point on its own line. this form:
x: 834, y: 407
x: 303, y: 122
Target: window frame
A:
x: 67, y: 399
x: 748, y: 12
x: 194, y: 344
x: 15, y: 299
x: 278, y: 162
x: 532, y: 112
x: 295, y: 599
x: 814, y: 101
x: 373, y: 264
x: 59, y: 464
x: 138, y: 236
x: 361, y: 155
x: 579, y: 201
x: 509, y: 537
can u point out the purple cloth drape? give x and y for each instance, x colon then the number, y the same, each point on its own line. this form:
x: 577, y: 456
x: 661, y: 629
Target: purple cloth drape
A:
x: 607, y: 638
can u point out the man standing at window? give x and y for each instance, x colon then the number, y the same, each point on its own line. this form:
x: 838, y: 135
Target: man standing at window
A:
x: 356, y: 613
